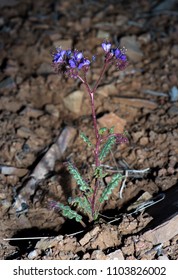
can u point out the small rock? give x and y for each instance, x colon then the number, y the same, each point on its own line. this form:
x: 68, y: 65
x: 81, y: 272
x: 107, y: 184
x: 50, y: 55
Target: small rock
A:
x: 144, y: 38
x: 45, y: 69
x: 174, y: 50
x: 52, y: 110
x: 111, y: 119
x: 107, y: 90
x: 73, y: 101
x: 163, y: 232
x: 24, y: 132
x: 103, y: 34
x: 144, y: 141
x: 64, y: 44
x: 165, y: 5
x: 133, y: 48
x: 173, y: 111
x: 33, y: 254
x: 98, y: 255
x: 164, y: 257
x: 174, y: 94
x: 85, y: 22
x: 7, y: 83
x: 121, y: 20
x: 116, y: 255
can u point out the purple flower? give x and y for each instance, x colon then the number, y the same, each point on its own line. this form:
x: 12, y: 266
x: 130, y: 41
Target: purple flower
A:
x: 115, y: 55
x: 106, y: 46
x: 58, y: 57
x: 121, y: 138
x: 69, y: 62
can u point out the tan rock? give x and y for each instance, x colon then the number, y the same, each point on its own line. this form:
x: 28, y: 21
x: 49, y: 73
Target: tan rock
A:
x: 111, y: 119
x: 163, y: 232
x: 133, y: 48
x: 73, y: 101
x: 116, y: 255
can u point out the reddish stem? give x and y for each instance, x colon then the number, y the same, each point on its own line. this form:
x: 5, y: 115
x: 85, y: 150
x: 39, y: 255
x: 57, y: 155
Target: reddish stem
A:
x: 91, y: 93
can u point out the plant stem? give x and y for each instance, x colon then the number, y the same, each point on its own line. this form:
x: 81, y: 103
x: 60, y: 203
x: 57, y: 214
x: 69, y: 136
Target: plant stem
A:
x: 91, y: 93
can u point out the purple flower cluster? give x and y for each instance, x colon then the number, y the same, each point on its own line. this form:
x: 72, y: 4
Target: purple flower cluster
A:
x: 69, y: 62
x: 115, y: 54
x: 121, y: 138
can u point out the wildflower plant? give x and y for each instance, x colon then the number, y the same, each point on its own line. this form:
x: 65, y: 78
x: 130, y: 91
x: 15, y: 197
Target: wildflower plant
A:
x: 73, y: 64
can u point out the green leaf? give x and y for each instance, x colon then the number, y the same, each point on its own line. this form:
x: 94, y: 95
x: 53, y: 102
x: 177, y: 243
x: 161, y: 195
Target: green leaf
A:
x: 112, y: 184
x: 111, y: 131
x: 68, y: 212
x: 85, y: 139
x: 102, y: 130
x: 83, y: 186
x: 99, y: 172
x: 82, y: 203
x: 107, y: 147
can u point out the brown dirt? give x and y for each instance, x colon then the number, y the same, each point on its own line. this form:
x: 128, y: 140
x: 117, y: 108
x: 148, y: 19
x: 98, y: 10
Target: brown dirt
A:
x: 33, y: 115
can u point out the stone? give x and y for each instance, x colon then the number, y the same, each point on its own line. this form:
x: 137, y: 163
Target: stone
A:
x: 163, y: 232
x: 121, y: 20
x: 33, y: 254
x: 107, y: 90
x: 174, y: 50
x: 45, y: 69
x: 116, y: 255
x: 111, y: 119
x: 133, y: 48
x: 73, y: 102
x: 52, y: 110
x: 174, y: 94
x: 173, y: 111
x: 7, y: 83
x: 64, y: 44
x: 103, y: 34
x: 136, y: 102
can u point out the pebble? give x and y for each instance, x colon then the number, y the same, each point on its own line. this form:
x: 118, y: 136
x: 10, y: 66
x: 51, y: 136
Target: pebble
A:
x: 103, y: 34
x: 116, y: 255
x: 52, y: 110
x: 111, y: 119
x: 45, y: 69
x: 134, y: 52
x: 33, y: 254
x: 64, y: 44
x: 73, y: 101
x: 173, y: 111
x: 174, y: 50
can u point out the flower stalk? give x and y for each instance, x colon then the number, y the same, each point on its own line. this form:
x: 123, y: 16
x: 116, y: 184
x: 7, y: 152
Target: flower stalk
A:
x: 74, y: 65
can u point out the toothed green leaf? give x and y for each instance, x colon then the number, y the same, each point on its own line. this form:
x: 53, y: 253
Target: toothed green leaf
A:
x: 102, y: 130
x: 107, y: 147
x: 99, y: 173
x: 111, y: 130
x: 82, y: 203
x: 69, y: 213
x: 85, y: 139
x: 83, y: 186
x: 112, y: 184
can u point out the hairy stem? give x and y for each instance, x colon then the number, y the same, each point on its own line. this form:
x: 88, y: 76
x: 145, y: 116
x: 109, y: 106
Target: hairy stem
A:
x: 91, y: 93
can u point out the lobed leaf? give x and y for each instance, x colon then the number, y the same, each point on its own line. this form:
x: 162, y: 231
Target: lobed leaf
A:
x: 83, y: 186
x: 82, y: 203
x: 102, y: 130
x: 68, y: 212
x: 99, y: 172
x: 112, y: 184
x: 107, y: 147
x: 85, y: 139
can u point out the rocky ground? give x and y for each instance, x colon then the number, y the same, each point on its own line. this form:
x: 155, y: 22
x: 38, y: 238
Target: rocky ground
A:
x: 41, y: 115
